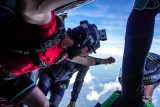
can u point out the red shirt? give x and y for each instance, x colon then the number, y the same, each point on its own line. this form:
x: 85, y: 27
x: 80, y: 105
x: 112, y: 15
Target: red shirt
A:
x: 29, y: 34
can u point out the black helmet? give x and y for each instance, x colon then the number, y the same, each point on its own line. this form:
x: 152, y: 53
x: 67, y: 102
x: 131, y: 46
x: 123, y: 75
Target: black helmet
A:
x: 87, y: 35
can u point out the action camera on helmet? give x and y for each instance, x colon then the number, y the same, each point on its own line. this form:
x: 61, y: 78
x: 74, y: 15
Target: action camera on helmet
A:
x: 87, y: 35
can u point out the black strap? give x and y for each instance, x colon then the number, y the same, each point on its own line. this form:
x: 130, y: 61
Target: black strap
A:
x: 51, y: 41
x: 35, y: 58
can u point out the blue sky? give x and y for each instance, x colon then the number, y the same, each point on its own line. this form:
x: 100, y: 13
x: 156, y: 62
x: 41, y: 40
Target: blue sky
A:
x: 108, y: 14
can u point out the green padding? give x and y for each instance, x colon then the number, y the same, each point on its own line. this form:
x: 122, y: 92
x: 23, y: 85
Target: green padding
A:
x: 149, y: 104
x: 141, y: 4
x: 111, y: 99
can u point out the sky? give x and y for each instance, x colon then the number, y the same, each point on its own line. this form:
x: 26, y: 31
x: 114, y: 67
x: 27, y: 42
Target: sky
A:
x: 110, y: 15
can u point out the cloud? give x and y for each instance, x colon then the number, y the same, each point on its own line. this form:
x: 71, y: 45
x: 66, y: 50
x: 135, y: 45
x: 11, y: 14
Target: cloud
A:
x: 158, y: 89
x: 87, y: 80
x: 102, y: 14
x: 91, y: 87
x: 155, y: 45
x: 156, y: 95
x: 110, y: 86
x: 114, y: 46
x: 93, y: 95
x: 73, y: 78
x: 110, y: 50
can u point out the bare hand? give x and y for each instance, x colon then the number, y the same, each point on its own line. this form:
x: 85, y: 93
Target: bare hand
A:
x: 110, y: 60
x: 72, y: 104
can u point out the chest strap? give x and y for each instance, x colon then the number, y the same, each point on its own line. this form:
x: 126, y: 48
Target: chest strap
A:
x: 58, y: 36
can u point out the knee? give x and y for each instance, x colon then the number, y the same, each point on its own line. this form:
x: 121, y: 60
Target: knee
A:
x: 45, y: 104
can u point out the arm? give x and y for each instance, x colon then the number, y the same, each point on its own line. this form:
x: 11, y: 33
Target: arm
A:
x: 38, y: 11
x: 78, y: 85
x: 91, y: 61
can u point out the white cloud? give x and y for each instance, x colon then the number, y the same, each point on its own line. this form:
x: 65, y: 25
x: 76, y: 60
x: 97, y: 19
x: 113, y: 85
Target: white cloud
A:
x: 110, y: 86
x: 112, y: 50
x: 73, y: 78
x: 89, y: 78
x: 91, y: 87
x: 156, y: 95
x: 155, y: 45
x: 94, y: 95
x: 89, y: 13
x: 110, y: 66
x: 158, y: 89
x: 113, y: 47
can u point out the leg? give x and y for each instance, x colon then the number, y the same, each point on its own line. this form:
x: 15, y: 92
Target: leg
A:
x: 23, y: 90
x: 57, y: 93
x: 138, y: 40
x: 149, y: 91
x: 35, y: 99
x: 44, y: 83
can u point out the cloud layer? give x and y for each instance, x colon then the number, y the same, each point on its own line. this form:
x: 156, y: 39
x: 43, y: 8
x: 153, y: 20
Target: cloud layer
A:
x: 106, y: 87
x: 87, y: 80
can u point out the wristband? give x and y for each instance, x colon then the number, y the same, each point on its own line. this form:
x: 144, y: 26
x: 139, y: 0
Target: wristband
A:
x: 97, y: 61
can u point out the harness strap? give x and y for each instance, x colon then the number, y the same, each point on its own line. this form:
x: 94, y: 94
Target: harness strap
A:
x: 61, y: 71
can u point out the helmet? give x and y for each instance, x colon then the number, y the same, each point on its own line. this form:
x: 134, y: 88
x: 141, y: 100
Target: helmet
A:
x: 86, y: 35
